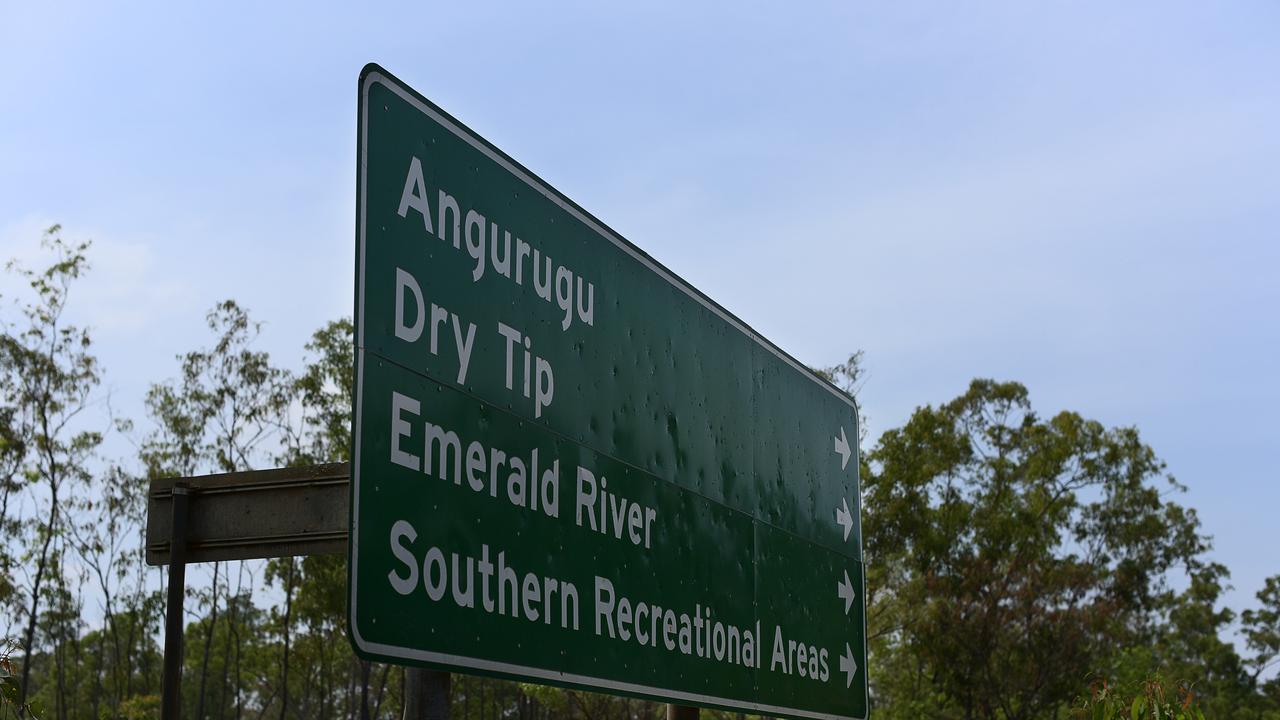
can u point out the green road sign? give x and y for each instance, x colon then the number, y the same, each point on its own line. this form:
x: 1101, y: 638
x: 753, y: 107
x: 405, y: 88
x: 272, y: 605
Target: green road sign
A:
x: 571, y: 467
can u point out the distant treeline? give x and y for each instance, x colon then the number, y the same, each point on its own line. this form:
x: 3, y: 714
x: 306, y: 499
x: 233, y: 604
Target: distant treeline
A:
x: 1018, y: 565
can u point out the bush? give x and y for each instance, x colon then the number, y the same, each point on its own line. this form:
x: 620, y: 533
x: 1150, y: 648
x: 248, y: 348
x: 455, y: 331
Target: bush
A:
x: 1152, y: 699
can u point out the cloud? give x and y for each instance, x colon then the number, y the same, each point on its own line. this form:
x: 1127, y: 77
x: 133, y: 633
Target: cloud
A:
x: 124, y: 295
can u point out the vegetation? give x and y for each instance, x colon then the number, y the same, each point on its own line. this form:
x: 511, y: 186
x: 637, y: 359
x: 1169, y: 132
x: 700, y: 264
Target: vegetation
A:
x: 1151, y: 698
x: 1019, y: 565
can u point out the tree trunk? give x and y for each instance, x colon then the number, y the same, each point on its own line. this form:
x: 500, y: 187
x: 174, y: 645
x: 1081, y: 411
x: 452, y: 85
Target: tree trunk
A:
x: 208, y: 641
x: 236, y: 629
x: 79, y: 659
x: 382, y: 689
x: 351, y: 688
x: 226, y: 654
x: 96, y: 691
x: 34, y: 614
x: 284, y: 668
x: 60, y: 679
x: 364, y: 690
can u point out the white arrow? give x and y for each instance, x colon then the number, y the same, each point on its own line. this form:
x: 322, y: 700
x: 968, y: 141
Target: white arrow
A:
x: 848, y: 665
x: 845, y: 591
x: 843, y: 518
x: 842, y: 449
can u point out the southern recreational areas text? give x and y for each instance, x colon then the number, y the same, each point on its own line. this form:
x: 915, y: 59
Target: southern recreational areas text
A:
x: 488, y: 584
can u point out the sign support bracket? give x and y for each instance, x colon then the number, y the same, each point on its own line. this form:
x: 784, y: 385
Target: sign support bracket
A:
x: 310, y: 502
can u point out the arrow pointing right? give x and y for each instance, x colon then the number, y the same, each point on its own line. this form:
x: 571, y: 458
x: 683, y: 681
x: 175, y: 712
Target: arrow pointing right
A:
x: 848, y: 665
x: 845, y: 591
x: 842, y: 449
x: 844, y: 518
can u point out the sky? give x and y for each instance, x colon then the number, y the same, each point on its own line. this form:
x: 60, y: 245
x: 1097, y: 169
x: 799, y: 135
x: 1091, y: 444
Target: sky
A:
x: 1083, y: 197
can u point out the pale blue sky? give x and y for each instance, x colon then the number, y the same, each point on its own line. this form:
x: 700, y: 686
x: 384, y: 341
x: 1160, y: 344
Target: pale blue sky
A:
x: 1079, y: 196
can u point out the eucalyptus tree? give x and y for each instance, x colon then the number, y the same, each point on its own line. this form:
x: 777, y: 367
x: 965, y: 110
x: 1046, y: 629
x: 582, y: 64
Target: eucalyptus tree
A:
x: 50, y: 373
x: 13, y: 454
x: 225, y: 412
x: 108, y: 540
x: 315, y: 586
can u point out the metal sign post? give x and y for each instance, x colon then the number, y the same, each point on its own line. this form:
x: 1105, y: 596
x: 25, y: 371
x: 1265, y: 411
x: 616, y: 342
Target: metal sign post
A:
x: 427, y: 694
x: 171, y: 690
x: 570, y: 466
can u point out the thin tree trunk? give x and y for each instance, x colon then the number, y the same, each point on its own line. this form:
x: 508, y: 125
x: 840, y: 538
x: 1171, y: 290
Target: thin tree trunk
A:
x: 284, y: 668
x: 304, y: 701
x: 79, y: 657
x: 208, y: 641
x: 226, y: 654
x: 127, y: 663
x: 59, y: 667
x: 34, y: 614
x: 117, y: 663
x: 110, y: 625
x: 54, y: 476
x: 326, y: 681
x: 364, y: 690
x: 351, y: 689
x: 96, y: 690
x: 146, y: 656
x: 382, y: 687
x: 236, y: 629
x: 136, y: 620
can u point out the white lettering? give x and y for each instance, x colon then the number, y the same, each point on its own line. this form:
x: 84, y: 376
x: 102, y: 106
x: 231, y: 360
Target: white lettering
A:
x: 400, y: 428
x: 409, y: 333
x: 415, y: 194
x: 403, y: 585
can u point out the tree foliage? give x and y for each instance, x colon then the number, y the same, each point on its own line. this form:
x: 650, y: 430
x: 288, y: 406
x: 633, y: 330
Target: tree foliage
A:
x: 1151, y: 699
x: 1028, y: 546
x: 1018, y: 565
x: 1012, y: 555
x: 50, y: 373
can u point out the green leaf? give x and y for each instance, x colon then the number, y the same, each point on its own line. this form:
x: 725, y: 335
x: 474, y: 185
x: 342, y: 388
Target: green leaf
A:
x: 1135, y: 710
x: 9, y: 690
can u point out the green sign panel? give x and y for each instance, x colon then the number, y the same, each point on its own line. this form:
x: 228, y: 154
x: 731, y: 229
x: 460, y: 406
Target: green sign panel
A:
x: 571, y: 467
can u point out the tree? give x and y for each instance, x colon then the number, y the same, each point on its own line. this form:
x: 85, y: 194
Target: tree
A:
x: 13, y: 455
x: 1014, y: 554
x: 324, y: 389
x: 850, y: 376
x: 1262, y: 633
x: 1189, y: 648
x: 229, y: 404
x: 50, y: 372
x: 106, y: 537
x: 324, y: 435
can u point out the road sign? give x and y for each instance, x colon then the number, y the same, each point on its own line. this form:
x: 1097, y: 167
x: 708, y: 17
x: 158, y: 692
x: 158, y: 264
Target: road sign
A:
x: 570, y: 466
